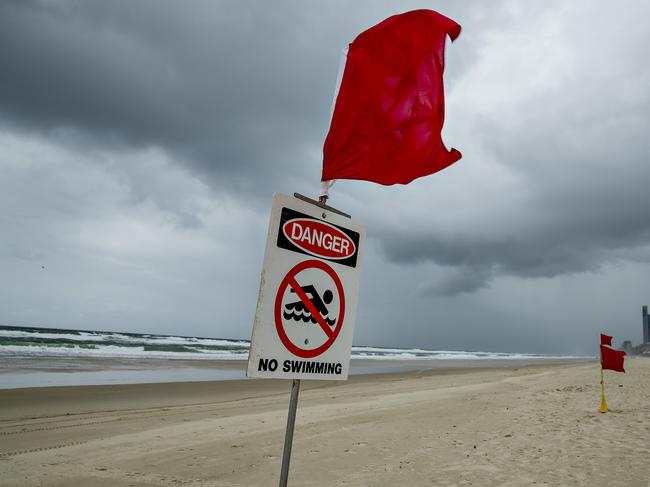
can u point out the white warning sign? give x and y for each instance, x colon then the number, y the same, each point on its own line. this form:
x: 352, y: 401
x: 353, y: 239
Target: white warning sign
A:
x: 306, y: 308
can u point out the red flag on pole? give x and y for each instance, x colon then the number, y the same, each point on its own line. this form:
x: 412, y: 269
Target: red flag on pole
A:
x: 605, y: 340
x: 612, y: 359
x: 390, y: 107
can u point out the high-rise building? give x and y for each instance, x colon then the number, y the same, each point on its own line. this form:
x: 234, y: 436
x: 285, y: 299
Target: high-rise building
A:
x: 646, y: 325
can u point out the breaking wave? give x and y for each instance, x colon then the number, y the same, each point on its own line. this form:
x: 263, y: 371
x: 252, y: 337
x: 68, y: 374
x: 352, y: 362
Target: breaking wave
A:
x: 44, y: 342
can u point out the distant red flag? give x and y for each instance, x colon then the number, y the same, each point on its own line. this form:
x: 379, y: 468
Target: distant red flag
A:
x: 612, y: 359
x: 605, y: 340
x: 390, y: 107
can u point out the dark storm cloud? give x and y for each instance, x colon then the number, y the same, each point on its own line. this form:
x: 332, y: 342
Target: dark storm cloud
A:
x: 578, y: 149
x: 228, y: 89
x: 239, y: 91
x: 461, y: 279
x: 242, y: 95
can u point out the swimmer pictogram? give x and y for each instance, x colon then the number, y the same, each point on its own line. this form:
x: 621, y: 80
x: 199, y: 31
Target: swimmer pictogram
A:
x: 298, y: 310
x: 308, y: 321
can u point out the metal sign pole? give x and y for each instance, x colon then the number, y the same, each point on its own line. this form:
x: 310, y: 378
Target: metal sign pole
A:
x: 288, y: 437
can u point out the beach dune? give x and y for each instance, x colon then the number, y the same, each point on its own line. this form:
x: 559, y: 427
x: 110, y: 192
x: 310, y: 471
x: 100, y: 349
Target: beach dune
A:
x: 506, y: 426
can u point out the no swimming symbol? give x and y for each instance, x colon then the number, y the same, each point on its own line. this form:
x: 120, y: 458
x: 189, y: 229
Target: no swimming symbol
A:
x: 309, y: 308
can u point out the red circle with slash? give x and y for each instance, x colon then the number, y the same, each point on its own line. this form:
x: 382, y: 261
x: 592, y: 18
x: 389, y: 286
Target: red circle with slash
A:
x: 290, y: 280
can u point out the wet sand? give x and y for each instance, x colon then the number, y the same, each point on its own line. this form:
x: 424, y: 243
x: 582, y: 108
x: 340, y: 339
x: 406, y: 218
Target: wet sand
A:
x: 500, y: 426
x: 45, y: 371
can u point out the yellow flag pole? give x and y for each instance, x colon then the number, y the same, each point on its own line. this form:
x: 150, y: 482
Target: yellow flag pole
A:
x: 603, y: 403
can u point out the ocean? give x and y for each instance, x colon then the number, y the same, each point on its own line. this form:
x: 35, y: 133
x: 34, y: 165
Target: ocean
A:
x: 32, y: 357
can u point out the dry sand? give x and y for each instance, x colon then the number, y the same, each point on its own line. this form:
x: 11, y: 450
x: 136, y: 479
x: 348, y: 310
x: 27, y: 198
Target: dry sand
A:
x: 533, y: 425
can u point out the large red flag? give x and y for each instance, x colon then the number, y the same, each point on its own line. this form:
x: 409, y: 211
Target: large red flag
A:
x: 612, y: 359
x: 605, y: 339
x: 390, y: 107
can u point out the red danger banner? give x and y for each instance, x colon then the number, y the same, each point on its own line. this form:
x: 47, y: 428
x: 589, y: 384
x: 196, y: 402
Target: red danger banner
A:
x: 312, y: 236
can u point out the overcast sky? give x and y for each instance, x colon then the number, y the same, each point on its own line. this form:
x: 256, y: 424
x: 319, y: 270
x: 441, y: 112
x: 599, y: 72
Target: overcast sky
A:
x: 141, y: 144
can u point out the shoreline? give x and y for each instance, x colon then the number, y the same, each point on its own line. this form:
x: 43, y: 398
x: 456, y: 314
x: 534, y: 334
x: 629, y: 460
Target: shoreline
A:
x: 27, y: 372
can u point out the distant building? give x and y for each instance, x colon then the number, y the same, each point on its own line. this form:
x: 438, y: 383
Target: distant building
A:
x: 646, y: 325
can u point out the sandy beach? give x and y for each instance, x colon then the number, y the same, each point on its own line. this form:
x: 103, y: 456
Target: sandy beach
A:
x: 498, y: 426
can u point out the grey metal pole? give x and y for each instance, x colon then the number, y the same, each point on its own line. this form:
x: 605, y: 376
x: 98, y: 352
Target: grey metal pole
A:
x: 288, y: 437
